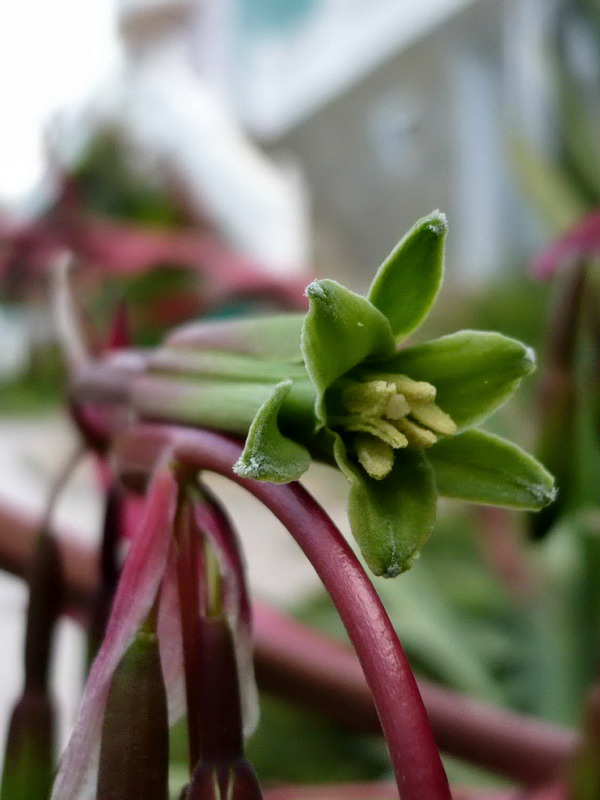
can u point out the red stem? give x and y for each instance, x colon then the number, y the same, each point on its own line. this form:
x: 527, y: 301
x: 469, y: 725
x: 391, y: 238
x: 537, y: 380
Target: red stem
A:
x: 417, y: 765
x: 313, y: 670
x: 212, y: 518
x: 368, y: 791
x: 18, y: 535
x: 310, y: 668
x: 189, y: 571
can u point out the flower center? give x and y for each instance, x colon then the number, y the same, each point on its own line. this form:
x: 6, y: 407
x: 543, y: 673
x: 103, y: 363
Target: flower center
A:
x: 389, y: 412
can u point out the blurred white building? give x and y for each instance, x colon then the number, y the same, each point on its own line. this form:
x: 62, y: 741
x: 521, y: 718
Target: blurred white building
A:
x: 392, y: 108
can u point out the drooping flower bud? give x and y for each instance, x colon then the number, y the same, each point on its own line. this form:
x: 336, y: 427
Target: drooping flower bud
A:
x: 30, y: 750
x: 134, y: 754
x: 134, y: 678
x: 29, y: 756
x: 224, y: 781
x: 221, y: 736
x: 223, y: 773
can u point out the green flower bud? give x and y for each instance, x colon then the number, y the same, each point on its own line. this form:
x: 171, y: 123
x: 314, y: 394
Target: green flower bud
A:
x: 134, y: 753
x: 29, y: 755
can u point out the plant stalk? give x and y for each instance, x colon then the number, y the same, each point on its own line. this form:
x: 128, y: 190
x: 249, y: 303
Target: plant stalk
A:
x: 415, y: 759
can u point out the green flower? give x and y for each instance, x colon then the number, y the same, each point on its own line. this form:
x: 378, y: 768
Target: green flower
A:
x: 397, y: 421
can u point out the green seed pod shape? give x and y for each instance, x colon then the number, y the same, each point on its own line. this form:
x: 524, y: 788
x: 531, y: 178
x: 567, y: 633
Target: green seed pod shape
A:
x: 134, y: 755
x: 29, y: 756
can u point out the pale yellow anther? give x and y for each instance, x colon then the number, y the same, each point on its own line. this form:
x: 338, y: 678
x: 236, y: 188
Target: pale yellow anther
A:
x: 376, y: 427
x: 416, y: 435
x: 414, y: 391
x: 433, y: 417
x: 375, y: 456
x: 397, y: 407
x: 370, y: 397
x: 389, y: 412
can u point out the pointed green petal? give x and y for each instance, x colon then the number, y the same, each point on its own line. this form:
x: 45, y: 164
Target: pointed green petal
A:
x: 408, y: 281
x: 474, y: 372
x: 340, y: 330
x: 268, y: 454
x: 391, y: 518
x: 276, y: 336
x: 482, y: 468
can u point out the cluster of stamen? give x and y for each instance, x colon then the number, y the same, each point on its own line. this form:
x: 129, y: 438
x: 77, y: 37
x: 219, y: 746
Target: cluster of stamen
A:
x: 389, y: 412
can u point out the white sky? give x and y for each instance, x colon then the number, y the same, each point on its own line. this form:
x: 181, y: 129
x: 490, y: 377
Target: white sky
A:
x: 51, y: 53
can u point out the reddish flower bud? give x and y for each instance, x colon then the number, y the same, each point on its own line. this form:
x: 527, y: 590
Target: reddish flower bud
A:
x: 221, y: 738
x: 224, y: 781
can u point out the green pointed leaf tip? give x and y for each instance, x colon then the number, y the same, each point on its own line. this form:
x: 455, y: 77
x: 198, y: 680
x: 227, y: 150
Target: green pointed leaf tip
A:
x: 268, y: 455
x: 482, y: 468
x: 407, y: 283
x: 341, y: 329
x: 391, y: 519
x: 474, y: 372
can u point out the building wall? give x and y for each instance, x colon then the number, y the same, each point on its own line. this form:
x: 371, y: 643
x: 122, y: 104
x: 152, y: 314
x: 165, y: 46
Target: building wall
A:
x: 423, y: 131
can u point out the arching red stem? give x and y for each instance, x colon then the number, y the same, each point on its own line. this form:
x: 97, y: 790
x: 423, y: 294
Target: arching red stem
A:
x: 417, y: 765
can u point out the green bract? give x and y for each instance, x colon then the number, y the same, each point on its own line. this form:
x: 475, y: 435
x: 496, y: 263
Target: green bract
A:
x: 394, y: 420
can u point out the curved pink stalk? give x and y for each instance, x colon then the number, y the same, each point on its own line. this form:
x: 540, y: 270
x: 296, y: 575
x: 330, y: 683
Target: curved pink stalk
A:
x: 170, y: 640
x: 309, y: 668
x: 582, y: 241
x: 417, y: 765
x: 111, y: 247
x: 368, y: 791
x: 212, y: 519
x: 190, y: 567
x: 138, y: 587
x: 318, y: 672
